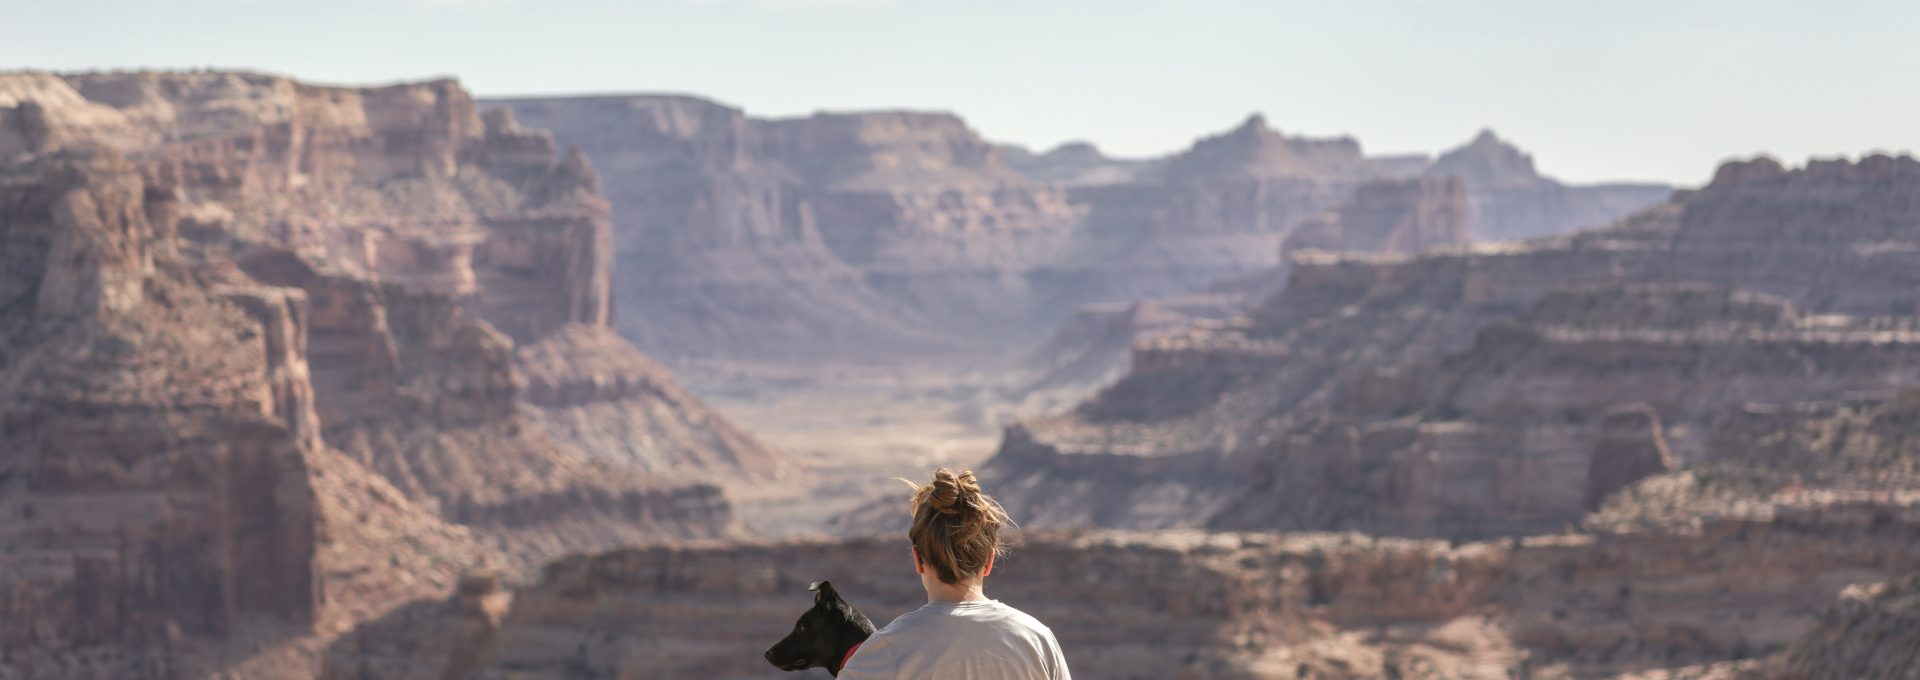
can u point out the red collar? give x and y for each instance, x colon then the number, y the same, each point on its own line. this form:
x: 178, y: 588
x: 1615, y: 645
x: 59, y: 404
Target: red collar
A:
x: 855, y: 648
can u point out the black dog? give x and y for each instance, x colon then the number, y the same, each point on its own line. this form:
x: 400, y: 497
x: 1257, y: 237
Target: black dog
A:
x: 825, y: 636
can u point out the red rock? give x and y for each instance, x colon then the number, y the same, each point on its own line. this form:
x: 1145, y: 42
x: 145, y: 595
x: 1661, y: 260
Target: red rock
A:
x: 259, y: 345
x: 1457, y: 394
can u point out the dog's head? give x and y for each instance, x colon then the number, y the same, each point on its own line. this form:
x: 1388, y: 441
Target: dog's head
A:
x: 822, y: 636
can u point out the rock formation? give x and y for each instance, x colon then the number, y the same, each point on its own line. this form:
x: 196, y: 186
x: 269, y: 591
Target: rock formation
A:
x: 152, y: 480
x: 1073, y: 163
x: 900, y: 233
x: 1720, y: 568
x: 1510, y: 200
x: 263, y: 345
x: 1390, y: 216
x: 1874, y: 632
x: 1176, y: 604
x: 1459, y: 393
x: 1631, y: 448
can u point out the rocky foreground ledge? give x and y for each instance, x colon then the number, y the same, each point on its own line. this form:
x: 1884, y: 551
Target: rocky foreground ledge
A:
x: 1719, y: 598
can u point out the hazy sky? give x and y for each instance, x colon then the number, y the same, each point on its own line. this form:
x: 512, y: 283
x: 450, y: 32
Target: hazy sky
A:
x: 1596, y: 89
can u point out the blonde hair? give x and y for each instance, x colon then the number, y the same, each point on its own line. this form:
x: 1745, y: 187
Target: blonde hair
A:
x: 956, y: 526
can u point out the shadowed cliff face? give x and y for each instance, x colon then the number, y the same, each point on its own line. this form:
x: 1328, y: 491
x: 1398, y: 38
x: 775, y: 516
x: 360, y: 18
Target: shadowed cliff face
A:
x: 277, y: 357
x: 1460, y: 394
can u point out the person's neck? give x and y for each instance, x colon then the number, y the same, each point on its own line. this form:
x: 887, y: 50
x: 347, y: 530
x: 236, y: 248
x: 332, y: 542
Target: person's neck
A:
x: 965, y: 591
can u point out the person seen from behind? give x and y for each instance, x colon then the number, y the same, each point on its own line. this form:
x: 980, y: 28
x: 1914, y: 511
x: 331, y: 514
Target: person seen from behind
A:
x: 960, y: 634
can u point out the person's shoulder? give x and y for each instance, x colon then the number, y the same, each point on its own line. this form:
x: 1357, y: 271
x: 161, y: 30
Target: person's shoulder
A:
x: 906, y: 621
x: 875, y: 654
x: 1022, y: 619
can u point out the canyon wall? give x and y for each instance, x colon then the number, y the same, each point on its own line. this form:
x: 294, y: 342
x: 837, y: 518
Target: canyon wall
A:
x: 1460, y: 394
x: 278, y: 358
x: 1510, y: 200
x: 1871, y: 633
x: 1176, y: 604
x: 1728, y: 567
x: 153, y: 477
x: 1390, y: 216
x: 905, y: 234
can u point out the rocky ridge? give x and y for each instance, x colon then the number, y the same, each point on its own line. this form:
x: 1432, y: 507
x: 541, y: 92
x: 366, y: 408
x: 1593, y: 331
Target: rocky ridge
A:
x: 1510, y: 200
x: 904, y: 233
x: 1869, y: 634
x: 1179, y: 604
x: 1725, y: 568
x: 1388, y: 375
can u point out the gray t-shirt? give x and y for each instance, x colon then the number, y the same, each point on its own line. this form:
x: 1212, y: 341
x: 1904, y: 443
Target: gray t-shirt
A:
x: 980, y: 640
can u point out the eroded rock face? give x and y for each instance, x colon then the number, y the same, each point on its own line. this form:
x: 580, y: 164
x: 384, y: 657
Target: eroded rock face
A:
x: 898, y: 232
x: 1390, y: 216
x: 1177, y: 604
x: 1874, y: 632
x: 1631, y: 448
x: 1719, y: 569
x: 1460, y: 393
x: 278, y: 357
x: 1510, y: 200
x: 153, y: 478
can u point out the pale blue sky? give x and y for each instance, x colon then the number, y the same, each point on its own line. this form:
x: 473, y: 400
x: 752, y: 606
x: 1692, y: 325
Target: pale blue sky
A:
x: 1596, y: 89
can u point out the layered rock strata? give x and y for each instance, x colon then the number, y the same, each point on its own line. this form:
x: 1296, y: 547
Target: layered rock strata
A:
x: 1718, y: 569
x: 155, y: 481
x: 843, y: 235
x: 1415, y: 205
x: 1510, y: 200
x: 1874, y: 632
x: 1178, y: 604
x: 1390, y: 216
x: 266, y: 344
x: 1464, y: 389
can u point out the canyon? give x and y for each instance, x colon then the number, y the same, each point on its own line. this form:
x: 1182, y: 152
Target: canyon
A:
x: 1727, y: 567
x: 881, y: 290
x: 386, y: 382
x: 904, y: 233
x: 1465, y: 394
x: 1717, y: 597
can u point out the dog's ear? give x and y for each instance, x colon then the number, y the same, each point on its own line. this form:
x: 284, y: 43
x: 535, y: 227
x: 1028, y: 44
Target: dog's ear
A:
x: 823, y: 592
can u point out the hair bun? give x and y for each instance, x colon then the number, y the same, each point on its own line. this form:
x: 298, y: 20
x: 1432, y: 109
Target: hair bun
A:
x: 956, y: 526
x: 954, y: 494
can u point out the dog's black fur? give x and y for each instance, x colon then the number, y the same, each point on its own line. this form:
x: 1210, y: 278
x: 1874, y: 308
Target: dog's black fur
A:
x: 822, y: 636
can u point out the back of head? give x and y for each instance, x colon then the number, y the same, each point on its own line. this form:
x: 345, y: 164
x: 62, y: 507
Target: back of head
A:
x: 956, y: 526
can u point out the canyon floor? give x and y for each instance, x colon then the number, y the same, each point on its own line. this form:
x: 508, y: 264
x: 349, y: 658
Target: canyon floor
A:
x: 853, y: 428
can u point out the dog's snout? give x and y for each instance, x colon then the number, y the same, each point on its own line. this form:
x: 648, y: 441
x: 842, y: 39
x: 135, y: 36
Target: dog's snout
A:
x: 768, y: 655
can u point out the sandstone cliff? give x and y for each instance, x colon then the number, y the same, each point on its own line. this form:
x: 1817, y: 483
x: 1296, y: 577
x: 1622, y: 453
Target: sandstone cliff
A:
x: 1464, y: 389
x: 153, y: 484
x: 265, y: 344
x: 1390, y: 216
x: 1176, y: 604
x: 1511, y: 200
x: 904, y: 233
x: 1874, y: 632
x: 1719, y: 569
x: 1486, y: 191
